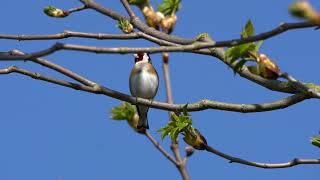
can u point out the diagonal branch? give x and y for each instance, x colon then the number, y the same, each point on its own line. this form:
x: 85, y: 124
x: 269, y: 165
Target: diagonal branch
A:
x: 291, y: 163
x: 160, y: 148
x: 57, y: 68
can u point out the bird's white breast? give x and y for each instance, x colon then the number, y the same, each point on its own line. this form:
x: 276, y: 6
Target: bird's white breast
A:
x: 144, y: 84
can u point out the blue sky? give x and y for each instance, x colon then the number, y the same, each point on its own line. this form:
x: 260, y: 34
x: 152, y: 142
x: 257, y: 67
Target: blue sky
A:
x: 47, y: 131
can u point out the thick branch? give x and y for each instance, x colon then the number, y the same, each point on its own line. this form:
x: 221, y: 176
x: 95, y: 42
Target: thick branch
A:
x: 233, y: 159
x: 198, y: 106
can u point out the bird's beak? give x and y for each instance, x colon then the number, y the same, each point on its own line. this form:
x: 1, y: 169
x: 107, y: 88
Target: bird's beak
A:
x: 136, y: 55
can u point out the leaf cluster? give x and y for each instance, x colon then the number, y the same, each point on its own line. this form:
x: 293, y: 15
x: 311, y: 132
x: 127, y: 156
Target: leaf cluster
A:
x: 125, y: 111
x: 240, y: 54
x: 177, y: 125
x: 182, y: 124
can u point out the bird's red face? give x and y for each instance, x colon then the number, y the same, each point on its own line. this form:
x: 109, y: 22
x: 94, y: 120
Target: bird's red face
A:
x: 141, y: 57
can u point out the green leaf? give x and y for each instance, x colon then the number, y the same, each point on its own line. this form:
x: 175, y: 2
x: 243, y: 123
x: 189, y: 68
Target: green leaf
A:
x: 233, y: 53
x: 315, y: 140
x: 169, y: 7
x: 248, y: 30
x: 139, y: 2
x: 241, y: 51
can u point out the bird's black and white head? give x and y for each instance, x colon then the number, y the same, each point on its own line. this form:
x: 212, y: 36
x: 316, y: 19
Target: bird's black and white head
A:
x: 142, y: 58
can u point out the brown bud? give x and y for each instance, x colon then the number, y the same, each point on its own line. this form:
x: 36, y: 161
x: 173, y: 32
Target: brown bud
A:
x: 267, y: 68
x: 165, y: 57
x: 150, y: 16
x: 303, y: 9
x: 189, y: 151
x: 168, y: 23
x: 195, y: 139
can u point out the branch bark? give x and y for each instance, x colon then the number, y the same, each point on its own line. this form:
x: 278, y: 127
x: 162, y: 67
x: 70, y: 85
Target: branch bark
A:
x: 197, y: 106
x: 160, y: 148
x: 291, y: 163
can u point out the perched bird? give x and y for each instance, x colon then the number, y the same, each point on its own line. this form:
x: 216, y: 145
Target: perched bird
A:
x: 143, y: 82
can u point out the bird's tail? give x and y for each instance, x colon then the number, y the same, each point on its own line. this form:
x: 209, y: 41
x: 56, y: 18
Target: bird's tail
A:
x: 143, y: 117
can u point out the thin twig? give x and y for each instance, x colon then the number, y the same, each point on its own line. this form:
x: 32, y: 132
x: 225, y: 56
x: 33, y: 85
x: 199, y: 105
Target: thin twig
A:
x: 291, y: 163
x: 174, y: 143
x: 76, y: 9
x: 160, y: 148
x: 68, y: 34
x: 99, y: 36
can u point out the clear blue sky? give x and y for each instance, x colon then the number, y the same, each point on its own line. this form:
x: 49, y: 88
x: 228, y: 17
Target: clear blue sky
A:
x: 47, y: 131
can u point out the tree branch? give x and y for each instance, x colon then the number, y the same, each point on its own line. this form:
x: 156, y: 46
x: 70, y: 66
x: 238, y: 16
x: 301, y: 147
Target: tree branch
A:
x: 160, y: 148
x: 119, y: 50
x: 76, y: 9
x: 174, y: 143
x: 57, y: 68
x: 34, y: 75
x: 291, y: 163
x: 198, y: 106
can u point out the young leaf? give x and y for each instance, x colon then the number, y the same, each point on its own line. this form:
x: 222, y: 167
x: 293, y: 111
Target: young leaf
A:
x: 125, y: 111
x: 177, y: 125
x: 138, y: 2
x: 248, y: 30
x: 169, y: 7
